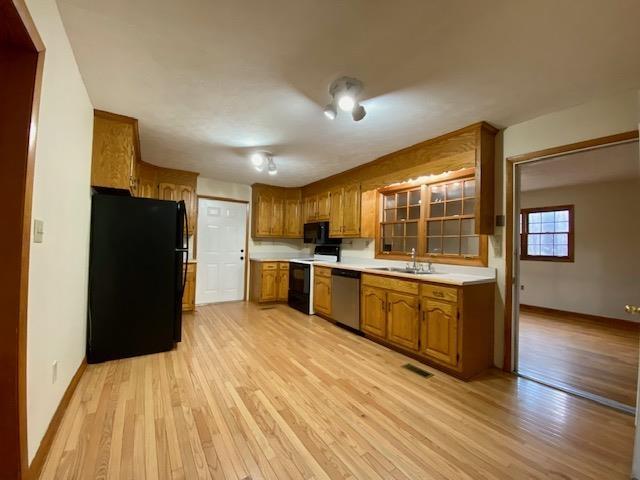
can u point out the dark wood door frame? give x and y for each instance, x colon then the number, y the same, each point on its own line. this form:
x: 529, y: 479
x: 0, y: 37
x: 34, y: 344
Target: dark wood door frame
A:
x: 511, y: 163
x: 21, y: 63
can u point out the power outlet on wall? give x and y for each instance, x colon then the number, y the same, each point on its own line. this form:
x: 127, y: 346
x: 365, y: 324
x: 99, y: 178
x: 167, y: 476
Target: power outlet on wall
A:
x: 521, y: 287
x: 54, y: 372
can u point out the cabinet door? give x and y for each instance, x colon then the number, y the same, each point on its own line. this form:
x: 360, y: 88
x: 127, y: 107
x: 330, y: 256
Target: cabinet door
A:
x: 263, y: 211
x: 351, y: 211
x: 269, y: 287
x: 167, y: 191
x: 323, y: 206
x: 283, y: 284
x: 189, y: 295
x: 277, y: 219
x: 403, y: 319
x: 373, y: 315
x: 322, y: 294
x: 148, y: 188
x: 310, y: 213
x: 292, y: 219
x: 186, y: 193
x: 335, y: 213
x: 440, y: 330
x: 114, y: 153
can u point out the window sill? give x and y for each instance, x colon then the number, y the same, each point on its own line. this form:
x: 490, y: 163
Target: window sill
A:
x: 546, y: 259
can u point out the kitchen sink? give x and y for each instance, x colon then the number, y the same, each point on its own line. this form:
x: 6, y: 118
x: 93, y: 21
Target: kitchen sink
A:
x: 403, y: 270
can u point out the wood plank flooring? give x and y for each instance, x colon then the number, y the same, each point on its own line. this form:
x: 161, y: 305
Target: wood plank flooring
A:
x: 271, y: 393
x: 579, y: 353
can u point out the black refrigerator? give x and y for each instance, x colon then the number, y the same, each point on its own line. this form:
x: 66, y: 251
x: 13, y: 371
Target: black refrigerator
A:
x: 137, y: 273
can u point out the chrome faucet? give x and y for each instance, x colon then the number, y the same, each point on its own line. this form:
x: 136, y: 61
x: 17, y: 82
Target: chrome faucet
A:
x: 413, y: 259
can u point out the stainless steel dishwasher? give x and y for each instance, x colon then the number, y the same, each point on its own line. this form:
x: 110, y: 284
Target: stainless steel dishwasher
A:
x: 345, y: 297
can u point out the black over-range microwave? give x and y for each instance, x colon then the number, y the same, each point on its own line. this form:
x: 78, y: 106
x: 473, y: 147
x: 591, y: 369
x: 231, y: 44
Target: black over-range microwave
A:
x: 318, y: 233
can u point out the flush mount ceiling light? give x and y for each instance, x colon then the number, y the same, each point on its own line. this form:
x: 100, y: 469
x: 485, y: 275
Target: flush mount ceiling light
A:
x: 345, y: 94
x: 260, y: 160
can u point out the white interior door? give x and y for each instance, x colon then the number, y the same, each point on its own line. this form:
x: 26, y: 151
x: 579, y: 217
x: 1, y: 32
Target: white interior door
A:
x: 221, y: 256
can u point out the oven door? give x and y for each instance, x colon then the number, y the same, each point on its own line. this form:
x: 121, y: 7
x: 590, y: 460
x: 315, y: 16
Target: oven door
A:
x: 299, y: 278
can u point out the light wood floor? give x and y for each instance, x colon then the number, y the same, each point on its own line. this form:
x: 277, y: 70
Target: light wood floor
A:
x: 271, y: 393
x: 579, y: 353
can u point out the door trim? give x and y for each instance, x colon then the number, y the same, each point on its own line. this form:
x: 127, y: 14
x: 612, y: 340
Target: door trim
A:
x: 25, y: 37
x: 246, y: 236
x: 510, y: 342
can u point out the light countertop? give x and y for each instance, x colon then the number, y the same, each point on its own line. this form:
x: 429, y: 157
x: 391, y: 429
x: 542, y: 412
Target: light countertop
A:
x: 445, y: 274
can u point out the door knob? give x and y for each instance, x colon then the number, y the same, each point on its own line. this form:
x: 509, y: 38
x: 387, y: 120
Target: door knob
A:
x: 632, y: 309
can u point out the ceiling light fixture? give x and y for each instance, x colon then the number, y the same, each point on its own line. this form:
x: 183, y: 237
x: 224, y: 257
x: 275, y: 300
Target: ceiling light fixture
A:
x: 271, y: 167
x: 260, y: 160
x: 345, y: 93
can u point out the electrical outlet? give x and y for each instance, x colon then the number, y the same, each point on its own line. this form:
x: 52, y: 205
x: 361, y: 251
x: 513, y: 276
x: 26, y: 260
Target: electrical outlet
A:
x: 54, y: 372
x: 38, y: 231
x: 521, y: 287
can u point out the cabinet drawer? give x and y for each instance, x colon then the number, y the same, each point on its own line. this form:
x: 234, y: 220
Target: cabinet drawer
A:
x: 389, y: 283
x: 269, y: 266
x: 440, y: 293
x: 283, y: 265
x: 322, y: 271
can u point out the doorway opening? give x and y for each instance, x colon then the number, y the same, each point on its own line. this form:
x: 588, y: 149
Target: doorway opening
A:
x: 576, y: 267
x: 222, y: 250
x: 21, y: 61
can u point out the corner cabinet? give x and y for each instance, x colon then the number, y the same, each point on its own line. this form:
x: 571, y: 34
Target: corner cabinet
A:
x: 449, y: 327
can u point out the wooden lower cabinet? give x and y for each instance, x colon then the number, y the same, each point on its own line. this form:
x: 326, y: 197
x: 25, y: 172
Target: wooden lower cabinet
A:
x: 403, y: 319
x: 373, y: 311
x: 283, y: 281
x: 322, y: 290
x: 189, y: 295
x: 448, y: 327
x: 439, y: 332
x: 269, y: 281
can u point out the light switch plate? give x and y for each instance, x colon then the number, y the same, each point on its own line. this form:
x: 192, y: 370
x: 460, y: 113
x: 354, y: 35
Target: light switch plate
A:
x: 38, y: 231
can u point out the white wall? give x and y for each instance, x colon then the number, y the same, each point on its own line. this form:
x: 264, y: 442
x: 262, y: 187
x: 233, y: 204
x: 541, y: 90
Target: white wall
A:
x: 598, y: 118
x: 58, y: 268
x: 237, y: 191
x: 604, y: 276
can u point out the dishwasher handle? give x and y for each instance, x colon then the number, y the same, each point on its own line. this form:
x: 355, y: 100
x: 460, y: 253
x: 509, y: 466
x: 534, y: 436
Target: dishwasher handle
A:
x: 343, y: 272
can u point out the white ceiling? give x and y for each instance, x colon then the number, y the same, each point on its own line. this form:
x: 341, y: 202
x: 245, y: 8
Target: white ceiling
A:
x: 606, y: 164
x: 212, y: 80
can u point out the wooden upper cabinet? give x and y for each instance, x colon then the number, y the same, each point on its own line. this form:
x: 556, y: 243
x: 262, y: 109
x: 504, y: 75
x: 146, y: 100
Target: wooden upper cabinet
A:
x: 373, y: 315
x: 335, y: 213
x: 344, y: 218
x: 187, y: 194
x: 147, y: 180
x: 262, y: 215
x: 293, y: 218
x: 277, y: 217
x: 323, y: 203
x: 167, y: 191
x: 403, y: 321
x: 115, y: 152
x: 351, y: 211
x: 310, y: 209
x: 440, y: 330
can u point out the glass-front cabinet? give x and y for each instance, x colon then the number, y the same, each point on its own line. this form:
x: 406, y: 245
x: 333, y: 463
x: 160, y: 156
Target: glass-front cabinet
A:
x: 435, y: 219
